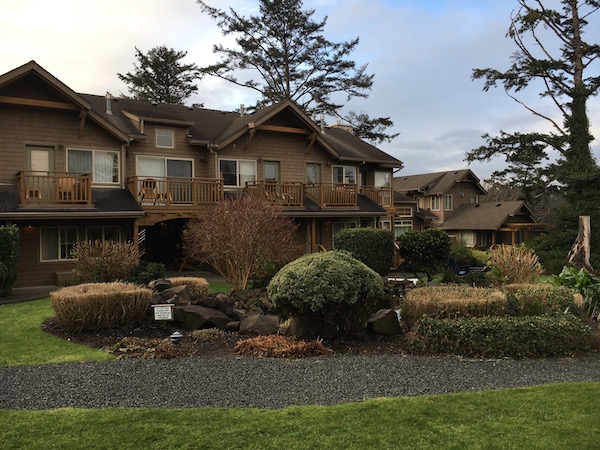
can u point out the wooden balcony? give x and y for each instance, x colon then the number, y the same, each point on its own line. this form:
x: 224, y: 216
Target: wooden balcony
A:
x: 288, y: 194
x: 54, y: 189
x: 383, y: 196
x: 333, y: 195
x: 175, y: 193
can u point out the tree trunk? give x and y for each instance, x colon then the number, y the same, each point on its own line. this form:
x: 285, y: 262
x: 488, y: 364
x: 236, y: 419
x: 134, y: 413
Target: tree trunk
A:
x: 579, y: 255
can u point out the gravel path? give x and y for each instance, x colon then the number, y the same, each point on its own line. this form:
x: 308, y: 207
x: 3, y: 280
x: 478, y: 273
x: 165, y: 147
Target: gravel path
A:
x: 271, y: 383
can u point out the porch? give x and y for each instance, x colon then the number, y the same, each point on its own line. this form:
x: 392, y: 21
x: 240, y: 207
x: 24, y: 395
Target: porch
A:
x: 54, y: 189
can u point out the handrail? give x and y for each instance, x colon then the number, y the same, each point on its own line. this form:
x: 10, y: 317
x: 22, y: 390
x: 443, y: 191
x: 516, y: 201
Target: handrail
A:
x: 54, y: 188
x: 168, y: 191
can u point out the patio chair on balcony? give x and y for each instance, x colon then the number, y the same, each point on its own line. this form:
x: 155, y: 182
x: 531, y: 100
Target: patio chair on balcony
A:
x: 148, y: 191
x: 66, y: 189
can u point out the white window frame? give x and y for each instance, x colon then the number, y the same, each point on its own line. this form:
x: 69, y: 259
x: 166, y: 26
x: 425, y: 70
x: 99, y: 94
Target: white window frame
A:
x: 163, y: 133
x: 237, y: 170
x: 474, y: 199
x: 344, y: 178
x: 93, y: 151
x: 448, y: 202
x: 467, y: 237
x: 388, y: 178
x: 402, y: 224
x: 59, y: 243
x: 103, y: 227
x: 435, y: 203
x: 164, y: 159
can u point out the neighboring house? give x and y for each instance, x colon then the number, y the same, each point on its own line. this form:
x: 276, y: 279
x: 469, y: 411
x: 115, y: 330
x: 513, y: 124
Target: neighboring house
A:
x: 451, y: 201
x: 87, y: 167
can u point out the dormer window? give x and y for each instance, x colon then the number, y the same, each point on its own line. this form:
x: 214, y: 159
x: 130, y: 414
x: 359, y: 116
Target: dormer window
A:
x: 164, y: 138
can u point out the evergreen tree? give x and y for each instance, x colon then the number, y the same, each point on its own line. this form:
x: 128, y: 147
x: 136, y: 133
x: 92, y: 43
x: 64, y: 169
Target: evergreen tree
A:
x: 551, y: 50
x: 293, y: 59
x: 160, y: 77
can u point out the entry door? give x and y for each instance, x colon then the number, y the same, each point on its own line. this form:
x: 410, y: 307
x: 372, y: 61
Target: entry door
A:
x: 40, y: 159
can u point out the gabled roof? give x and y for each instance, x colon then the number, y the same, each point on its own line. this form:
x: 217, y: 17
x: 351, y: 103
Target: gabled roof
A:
x: 436, y: 183
x: 401, y: 198
x: 486, y: 216
x: 69, y: 98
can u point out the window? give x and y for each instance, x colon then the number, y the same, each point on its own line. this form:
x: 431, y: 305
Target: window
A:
x: 467, y: 238
x: 404, y: 212
x: 435, y: 203
x: 344, y: 175
x: 104, y: 233
x: 383, y: 179
x: 448, y: 203
x: 313, y: 173
x: 164, y: 137
x: 103, y: 165
x: 474, y: 199
x: 57, y: 242
x: 386, y: 224
x: 236, y: 173
x: 402, y: 227
x: 272, y: 171
x: 161, y: 167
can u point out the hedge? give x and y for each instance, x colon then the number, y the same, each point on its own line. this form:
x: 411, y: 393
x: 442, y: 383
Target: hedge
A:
x: 373, y: 247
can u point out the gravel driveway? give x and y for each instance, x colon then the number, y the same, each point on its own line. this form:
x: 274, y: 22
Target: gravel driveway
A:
x: 198, y: 382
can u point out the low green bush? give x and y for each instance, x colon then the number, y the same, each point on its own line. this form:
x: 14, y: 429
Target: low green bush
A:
x: 332, y: 291
x: 96, y: 306
x: 500, y: 337
x: 145, y: 272
x: 424, y: 251
x: 537, y: 299
x: 584, y: 283
x: 373, y: 247
x: 9, y: 257
x: 451, y: 302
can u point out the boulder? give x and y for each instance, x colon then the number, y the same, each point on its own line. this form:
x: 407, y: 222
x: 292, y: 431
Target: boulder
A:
x: 233, y: 326
x: 384, y: 321
x: 301, y: 327
x: 182, y: 292
x: 259, y: 324
x: 225, y: 304
x: 196, y: 316
x: 160, y: 285
x: 210, y: 301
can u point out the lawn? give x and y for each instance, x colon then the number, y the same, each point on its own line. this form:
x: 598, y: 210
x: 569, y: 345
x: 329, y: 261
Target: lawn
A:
x: 562, y: 416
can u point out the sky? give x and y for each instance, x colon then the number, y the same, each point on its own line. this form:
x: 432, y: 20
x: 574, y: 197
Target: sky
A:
x: 422, y: 53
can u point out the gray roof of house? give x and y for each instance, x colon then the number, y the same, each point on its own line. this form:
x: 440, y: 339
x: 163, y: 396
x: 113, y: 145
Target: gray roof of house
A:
x: 434, y: 183
x: 485, y: 216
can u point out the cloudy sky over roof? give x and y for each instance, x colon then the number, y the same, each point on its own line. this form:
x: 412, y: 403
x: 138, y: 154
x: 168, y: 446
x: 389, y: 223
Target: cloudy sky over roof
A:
x: 421, y: 51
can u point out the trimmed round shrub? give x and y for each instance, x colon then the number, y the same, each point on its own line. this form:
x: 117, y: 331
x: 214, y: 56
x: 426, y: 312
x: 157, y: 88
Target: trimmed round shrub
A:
x: 97, y: 306
x: 145, y: 272
x: 332, y: 291
x: 373, y: 247
x: 450, y: 302
x: 500, y: 337
x: 198, y: 286
x: 425, y: 251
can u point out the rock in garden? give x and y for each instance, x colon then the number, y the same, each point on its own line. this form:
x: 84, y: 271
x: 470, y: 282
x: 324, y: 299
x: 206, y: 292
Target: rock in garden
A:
x: 233, y: 326
x: 182, y: 292
x: 225, y: 304
x: 259, y: 324
x: 160, y: 285
x: 196, y: 316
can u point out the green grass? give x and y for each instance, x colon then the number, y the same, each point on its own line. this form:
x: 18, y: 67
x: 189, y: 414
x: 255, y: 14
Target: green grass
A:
x: 562, y: 416
x: 22, y: 340
x: 215, y: 287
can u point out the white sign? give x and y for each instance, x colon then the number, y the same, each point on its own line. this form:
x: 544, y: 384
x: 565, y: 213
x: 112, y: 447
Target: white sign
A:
x: 163, y: 312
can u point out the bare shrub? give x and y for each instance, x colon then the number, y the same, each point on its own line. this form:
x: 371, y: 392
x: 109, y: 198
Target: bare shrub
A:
x: 280, y: 347
x: 96, y: 306
x: 450, y: 302
x: 104, y: 261
x: 198, y: 286
x: 514, y: 264
x: 234, y: 236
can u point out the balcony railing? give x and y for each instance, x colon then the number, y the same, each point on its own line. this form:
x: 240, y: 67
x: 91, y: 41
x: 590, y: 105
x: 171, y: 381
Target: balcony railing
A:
x: 383, y: 196
x: 171, y: 191
x: 279, y: 193
x: 333, y: 195
x: 54, y: 188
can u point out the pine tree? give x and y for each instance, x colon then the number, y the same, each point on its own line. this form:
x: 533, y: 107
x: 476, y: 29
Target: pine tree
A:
x: 160, y: 77
x: 293, y: 60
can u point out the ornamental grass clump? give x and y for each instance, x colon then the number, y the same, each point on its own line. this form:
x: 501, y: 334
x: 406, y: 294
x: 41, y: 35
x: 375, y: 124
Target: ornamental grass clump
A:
x: 451, y: 302
x: 514, y: 264
x: 96, y: 306
x: 332, y: 292
x: 537, y: 299
x: 198, y: 286
x: 280, y: 347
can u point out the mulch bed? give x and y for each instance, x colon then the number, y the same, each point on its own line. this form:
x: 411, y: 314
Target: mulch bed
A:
x: 151, y: 341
